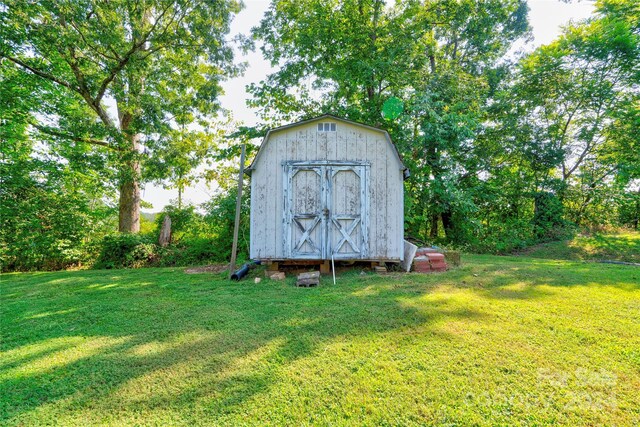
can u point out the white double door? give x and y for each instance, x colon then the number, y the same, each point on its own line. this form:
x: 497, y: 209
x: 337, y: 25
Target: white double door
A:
x: 325, y: 210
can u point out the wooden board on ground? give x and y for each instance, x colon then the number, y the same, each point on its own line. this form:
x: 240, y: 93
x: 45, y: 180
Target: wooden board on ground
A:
x: 310, y: 278
x: 214, y: 268
x: 307, y: 282
x: 275, y: 275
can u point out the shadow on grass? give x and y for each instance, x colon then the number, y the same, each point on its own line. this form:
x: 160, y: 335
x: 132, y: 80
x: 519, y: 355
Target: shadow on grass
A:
x: 83, y: 339
x: 615, y: 247
x: 142, y: 339
x: 529, y: 278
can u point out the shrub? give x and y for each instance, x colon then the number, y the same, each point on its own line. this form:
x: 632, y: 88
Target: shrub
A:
x: 194, y: 251
x: 629, y: 210
x: 124, y: 250
x: 548, y: 218
x: 502, y: 237
x: 49, y: 233
x: 220, y: 217
x: 185, y: 222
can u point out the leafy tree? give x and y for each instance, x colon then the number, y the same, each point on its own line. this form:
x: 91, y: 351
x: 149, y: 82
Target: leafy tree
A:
x: 177, y: 157
x: 185, y: 222
x: 52, y: 205
x: 438, y: 57
x: 117, y: 77
x: 220, y: 214
x: 49, y: 211
x: 570, y: 100
x: 629, y: 209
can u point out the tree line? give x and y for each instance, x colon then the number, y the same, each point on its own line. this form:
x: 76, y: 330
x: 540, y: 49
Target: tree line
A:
x: 506, y: 149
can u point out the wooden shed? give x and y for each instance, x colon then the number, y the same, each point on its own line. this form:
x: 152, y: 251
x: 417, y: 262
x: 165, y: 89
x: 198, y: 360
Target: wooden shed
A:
x: 327, y: 187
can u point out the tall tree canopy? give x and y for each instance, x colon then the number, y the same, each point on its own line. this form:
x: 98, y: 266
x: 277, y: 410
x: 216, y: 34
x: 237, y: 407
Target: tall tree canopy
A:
x: 356, y: 53
x: 494, y: 145
x: 117, y: 78
x: 439, y: 58
x: 51, y: 202
x: 573, y: 108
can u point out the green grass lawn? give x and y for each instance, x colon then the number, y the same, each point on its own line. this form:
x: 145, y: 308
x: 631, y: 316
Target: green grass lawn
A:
x: 615, y: 247
x: 500, y: 341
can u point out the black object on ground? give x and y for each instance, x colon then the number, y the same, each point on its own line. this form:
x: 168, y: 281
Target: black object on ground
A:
x: 244, y: 270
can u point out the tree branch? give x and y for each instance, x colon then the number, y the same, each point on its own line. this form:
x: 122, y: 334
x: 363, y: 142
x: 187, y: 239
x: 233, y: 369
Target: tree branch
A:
x: 59, y: 134
x: 94, y: 48
x: 127, y: 57
x: 40, y: 73
x: 84, y: 91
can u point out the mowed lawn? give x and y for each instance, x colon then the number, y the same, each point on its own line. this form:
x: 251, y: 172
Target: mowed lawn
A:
x: 500, y: 341
x: 623, y: 247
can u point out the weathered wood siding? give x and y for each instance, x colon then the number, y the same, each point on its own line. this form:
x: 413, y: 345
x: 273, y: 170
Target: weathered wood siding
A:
x: 349, y: 142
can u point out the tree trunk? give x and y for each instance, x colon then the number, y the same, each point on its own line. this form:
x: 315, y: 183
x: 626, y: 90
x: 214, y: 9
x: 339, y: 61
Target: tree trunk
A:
x: 165, y: 232
x: 129, y: 209
x: 129, y: 215
x: 433, y: 232
x: 447, y: 224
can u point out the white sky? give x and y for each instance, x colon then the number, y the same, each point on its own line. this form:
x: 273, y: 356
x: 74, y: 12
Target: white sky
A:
x: 545, y: 16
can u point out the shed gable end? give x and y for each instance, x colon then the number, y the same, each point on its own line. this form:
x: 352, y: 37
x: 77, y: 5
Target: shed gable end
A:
x: 367, y: 152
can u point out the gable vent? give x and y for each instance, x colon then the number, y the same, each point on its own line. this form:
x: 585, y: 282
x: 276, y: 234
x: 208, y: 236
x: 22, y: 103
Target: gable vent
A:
x: 326, y: 127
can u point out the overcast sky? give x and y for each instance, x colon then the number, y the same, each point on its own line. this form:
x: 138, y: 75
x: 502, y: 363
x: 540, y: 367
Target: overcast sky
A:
x: 546, y: 18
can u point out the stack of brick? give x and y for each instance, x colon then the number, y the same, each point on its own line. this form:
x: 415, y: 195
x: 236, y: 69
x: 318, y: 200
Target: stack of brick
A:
x: 429, y: 260
x: 421, y: 264
x: 425, y: 251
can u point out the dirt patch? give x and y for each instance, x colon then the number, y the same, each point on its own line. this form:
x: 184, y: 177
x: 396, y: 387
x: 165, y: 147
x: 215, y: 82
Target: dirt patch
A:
x: 213, y: 268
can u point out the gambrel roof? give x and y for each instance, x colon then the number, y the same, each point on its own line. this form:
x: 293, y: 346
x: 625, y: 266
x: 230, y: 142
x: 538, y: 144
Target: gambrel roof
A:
x: 324, y: 117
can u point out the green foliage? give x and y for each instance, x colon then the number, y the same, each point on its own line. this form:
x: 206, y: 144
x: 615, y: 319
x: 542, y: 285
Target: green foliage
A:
x: 185, y: 222
x: 220, y: 217
x: 392, y: 108
x: 623, y: 247
x: 50, y: 212
x: 196, y: 238
x: 548, y: 218
x: 147, y: 225
x: 71, y: 56
x: 569, y: 114
x: 503, y: 237
x: 629, y: 210
x: 126, y: 250
x: 193, y: 251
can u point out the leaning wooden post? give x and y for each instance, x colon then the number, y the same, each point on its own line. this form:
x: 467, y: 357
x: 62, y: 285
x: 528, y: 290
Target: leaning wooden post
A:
x: 236, y: 227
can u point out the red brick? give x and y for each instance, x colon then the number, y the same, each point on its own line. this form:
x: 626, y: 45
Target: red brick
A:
x: 425, y: 251
x: 421, y: 264
x: 435, y: 257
